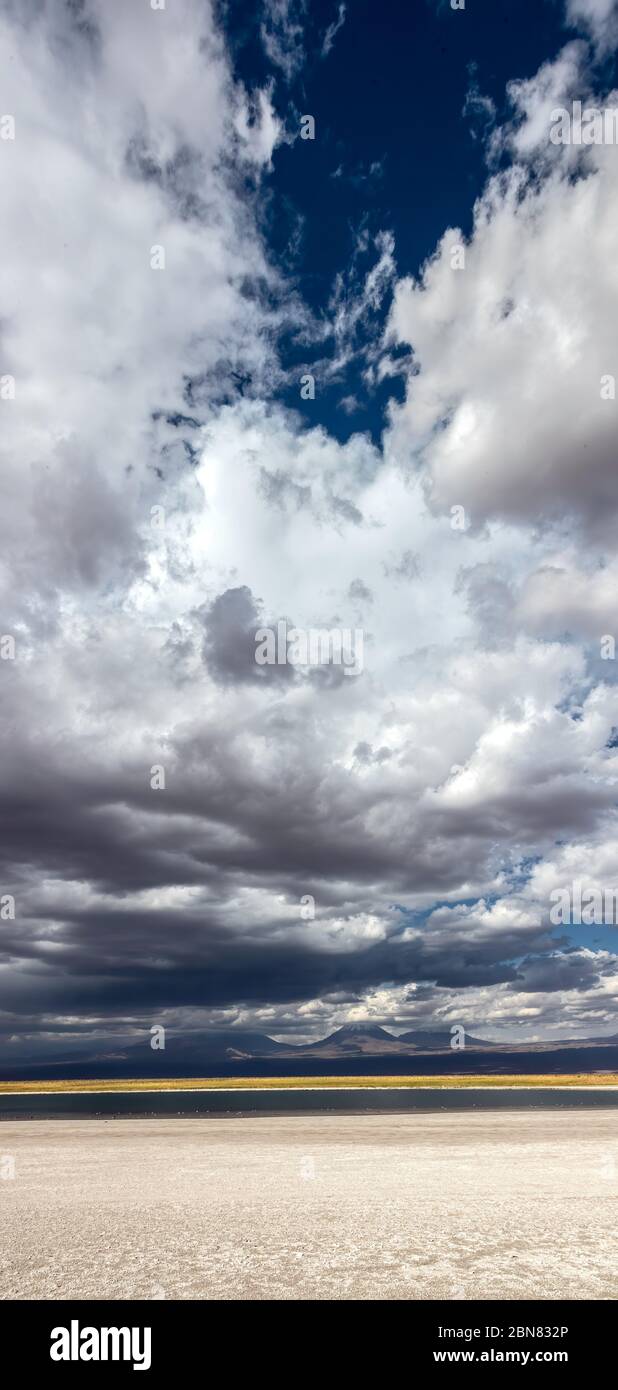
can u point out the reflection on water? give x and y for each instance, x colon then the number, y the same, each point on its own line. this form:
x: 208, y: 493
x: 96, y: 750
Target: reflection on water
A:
x: 60, y: 1107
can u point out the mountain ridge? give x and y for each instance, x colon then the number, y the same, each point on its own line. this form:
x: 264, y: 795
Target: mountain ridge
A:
x: 350, y: 1049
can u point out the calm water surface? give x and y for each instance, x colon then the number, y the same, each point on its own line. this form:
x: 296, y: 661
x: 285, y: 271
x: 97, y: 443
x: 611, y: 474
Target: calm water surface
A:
x: 60, y: 1107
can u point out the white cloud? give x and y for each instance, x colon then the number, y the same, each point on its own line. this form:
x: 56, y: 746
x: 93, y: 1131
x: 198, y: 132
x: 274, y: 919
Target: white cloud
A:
x: 508, y: 411
x: 598, y: 18
x: 102, y: 345
x: 333, y: 30
x: 283, y: 34
x: 476, y: 739
x: 559, y: 599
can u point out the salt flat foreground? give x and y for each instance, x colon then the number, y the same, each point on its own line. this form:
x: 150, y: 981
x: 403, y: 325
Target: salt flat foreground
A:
x: 476, y: 1205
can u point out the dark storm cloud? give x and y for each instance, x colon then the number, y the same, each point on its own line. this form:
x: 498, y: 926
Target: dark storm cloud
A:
x: 226, y: 807
x: 231, y: 624
x: 254, y: 807
x: 571, y: 969
x: 131, y: 962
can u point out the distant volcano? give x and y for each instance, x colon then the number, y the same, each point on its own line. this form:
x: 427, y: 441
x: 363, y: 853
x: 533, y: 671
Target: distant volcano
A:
x: 353, y: 1049
x: 354, y: 1037
x: 369, y: 1039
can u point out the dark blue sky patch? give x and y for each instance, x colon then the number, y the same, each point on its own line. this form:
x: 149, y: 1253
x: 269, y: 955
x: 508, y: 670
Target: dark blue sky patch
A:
x: 393, y: 152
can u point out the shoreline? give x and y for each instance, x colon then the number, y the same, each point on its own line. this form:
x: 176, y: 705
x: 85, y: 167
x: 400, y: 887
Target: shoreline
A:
x: 222, y: 1086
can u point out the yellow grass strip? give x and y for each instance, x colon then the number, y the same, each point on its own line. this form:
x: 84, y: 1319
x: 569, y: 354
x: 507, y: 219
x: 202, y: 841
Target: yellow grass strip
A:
x: 276, y: 1083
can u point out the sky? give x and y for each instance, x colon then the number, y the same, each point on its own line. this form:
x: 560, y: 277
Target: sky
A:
x: 362, y: 383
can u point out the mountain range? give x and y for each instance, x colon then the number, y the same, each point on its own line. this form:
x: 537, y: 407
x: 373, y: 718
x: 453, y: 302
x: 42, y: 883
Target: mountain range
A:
x: 353, y: 1049
x: 370, y: 1040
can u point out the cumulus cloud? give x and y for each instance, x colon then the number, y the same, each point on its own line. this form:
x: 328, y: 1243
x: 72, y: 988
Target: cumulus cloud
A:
x: 134, y: 224
x: 160, y: 506
x: 559, y: 599
x: 510, y: 401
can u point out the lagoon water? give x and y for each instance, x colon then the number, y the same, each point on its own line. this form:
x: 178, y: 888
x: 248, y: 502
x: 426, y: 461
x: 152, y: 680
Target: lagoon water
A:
x: 355, y: 1100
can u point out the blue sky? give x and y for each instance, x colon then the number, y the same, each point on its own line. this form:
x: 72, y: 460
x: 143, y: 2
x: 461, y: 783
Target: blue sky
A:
x: 400, y: 146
